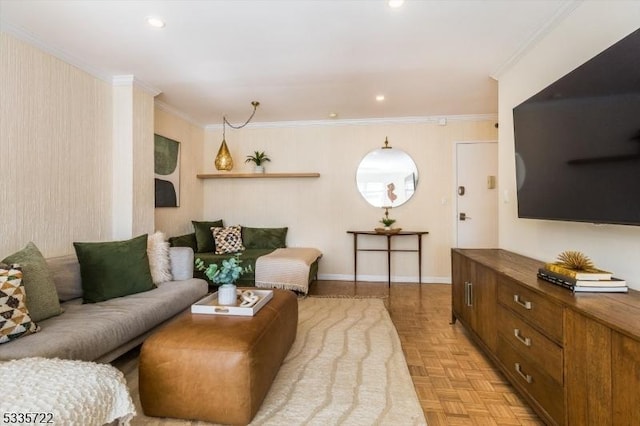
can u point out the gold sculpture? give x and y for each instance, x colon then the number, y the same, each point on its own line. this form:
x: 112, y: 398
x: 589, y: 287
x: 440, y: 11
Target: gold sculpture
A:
x: 575, y: 260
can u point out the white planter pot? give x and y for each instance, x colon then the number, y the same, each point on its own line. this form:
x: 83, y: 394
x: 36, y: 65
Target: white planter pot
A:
x: 258, y: 169
x: 227, y: 294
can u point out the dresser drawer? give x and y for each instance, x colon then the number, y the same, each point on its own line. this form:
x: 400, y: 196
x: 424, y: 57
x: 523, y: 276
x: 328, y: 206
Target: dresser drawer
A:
x: 531, y: 343
x: 547, y: 392
x: 535, y: 309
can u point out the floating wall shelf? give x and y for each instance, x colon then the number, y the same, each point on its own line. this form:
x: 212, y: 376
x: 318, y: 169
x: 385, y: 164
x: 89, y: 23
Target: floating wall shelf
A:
x: 256, y: 175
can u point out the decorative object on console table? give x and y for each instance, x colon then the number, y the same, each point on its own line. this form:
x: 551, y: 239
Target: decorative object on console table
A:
x: 223, y: 159
x: 576, y: 265
x: 257, y: 158
x: 226, y: 276
x: 614, y: 285
x: 592, y: 274
x: 387, y: 222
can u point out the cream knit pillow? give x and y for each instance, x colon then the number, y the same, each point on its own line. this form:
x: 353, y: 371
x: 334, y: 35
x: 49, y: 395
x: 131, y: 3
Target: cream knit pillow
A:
x: 159, y: 261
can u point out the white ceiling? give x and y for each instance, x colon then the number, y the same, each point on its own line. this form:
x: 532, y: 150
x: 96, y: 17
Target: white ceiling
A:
x: 301, y: 59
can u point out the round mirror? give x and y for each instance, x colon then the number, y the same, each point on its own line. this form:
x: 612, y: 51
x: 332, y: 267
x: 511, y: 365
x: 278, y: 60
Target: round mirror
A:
x: 387, y: 177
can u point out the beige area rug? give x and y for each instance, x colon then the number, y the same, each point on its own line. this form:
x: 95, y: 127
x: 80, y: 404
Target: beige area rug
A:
x: 346, y: 367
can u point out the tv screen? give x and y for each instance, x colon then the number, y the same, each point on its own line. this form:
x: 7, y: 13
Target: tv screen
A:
x: 577, y: 142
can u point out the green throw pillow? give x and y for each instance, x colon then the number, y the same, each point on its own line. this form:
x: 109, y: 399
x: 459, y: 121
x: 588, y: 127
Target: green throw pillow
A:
x: 114, y: 269
x: 264, y: 238
x: 40, y: 289
x: 204, y: 235
x: 188, y: 240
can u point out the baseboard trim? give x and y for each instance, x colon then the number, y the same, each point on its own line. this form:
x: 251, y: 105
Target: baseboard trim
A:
x: 383, y: 278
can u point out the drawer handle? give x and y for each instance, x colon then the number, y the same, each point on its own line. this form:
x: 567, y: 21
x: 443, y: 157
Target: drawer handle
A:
x: 527, y: 377
x: 468, y: 295
x: 524, y: 303
x: 525, y: 340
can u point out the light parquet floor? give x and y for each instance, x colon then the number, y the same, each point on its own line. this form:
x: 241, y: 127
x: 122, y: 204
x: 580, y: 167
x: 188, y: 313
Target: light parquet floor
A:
x: 456, y: 384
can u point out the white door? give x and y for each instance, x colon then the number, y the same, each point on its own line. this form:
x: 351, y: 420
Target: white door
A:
x: 477, y: 195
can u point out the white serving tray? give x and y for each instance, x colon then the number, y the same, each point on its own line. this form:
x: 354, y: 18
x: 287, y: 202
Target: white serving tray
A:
x: 209, y: 305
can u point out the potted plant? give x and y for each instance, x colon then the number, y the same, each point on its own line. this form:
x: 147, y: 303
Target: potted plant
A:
x: 225, y: 276
x: 387, y: 222
x: 258, y: 158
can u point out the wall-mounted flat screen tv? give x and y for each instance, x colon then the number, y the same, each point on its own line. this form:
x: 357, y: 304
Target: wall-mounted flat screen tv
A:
x: 577, y: 142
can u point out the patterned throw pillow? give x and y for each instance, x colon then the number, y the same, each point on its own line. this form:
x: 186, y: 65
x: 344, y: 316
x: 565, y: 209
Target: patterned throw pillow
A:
x: 228, y: 239
x: 14, y: 316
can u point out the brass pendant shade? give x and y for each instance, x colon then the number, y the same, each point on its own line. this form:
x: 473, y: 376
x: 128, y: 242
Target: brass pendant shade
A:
x: 223, y: 159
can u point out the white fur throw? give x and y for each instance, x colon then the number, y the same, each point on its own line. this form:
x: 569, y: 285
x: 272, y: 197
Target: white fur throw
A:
x: 65, y: 392
x: 159, y: 261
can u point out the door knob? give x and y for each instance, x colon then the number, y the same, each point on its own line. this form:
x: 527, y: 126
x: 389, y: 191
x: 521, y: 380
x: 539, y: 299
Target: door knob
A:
x: 463, y: 216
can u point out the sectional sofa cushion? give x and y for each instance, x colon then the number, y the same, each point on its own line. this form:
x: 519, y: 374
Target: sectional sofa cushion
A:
x: 228, y: 239
x: 66, y: 274
x: 14, y: 316
x: 114, y: 269
x: 89, y: 331
x: 204, y: 238
x: 267, y: 238
x: 42, y: 297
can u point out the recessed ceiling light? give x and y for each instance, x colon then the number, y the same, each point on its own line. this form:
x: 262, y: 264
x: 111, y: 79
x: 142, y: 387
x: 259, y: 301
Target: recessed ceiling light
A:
x: 155, y: 22
x: 380, y: 98
x: 394, y: 4
x: 333, y: 115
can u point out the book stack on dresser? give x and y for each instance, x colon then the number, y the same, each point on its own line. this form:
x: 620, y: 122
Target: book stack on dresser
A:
x: 592, y: 280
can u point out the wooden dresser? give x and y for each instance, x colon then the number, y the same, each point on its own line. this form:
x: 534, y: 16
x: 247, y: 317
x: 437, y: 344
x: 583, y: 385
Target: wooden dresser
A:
x: 574, y: 358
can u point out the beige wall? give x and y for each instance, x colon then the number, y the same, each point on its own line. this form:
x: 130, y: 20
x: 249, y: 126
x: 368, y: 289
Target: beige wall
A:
x: 177, y: 221
x: 55, y: 146
x: 591, y: 28
x: 319, y: 211
x: 58, y: 135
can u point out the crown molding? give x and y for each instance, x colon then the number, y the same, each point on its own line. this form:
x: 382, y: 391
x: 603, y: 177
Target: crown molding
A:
x: 560, y: 15
x: 119, y: 80
x: 29, y: 38
x: 174, y: 111
x: 131, y: 80
x: 366, y: 121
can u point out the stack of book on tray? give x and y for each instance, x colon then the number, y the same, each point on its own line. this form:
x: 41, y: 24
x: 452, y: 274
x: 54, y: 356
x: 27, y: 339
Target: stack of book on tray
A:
x: 582, y: 281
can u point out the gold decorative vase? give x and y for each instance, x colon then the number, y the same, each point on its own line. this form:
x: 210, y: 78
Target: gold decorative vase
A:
x: 223, y: 159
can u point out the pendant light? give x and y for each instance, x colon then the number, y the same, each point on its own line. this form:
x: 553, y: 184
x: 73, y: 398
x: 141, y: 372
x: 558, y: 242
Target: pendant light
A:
x: 223, y: 161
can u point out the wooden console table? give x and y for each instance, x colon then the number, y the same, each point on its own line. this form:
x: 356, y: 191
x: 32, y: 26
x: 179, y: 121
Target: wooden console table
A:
x: 389, y: 236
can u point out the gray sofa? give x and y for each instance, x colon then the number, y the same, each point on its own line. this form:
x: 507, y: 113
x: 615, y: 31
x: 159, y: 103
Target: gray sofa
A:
x: 103, y: 331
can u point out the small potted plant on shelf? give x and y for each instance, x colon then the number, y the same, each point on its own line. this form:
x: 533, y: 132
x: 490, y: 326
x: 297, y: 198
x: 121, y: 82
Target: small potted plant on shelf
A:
x: 258, y: 158
x: 225, y: 276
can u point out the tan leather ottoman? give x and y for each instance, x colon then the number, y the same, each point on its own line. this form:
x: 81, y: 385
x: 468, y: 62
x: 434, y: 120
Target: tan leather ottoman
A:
x: 216, y: 368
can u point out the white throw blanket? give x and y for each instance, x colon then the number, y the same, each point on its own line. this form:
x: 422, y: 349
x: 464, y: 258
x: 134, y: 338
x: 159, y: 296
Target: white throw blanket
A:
x: 64, y: 392
x: 286, y: 268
